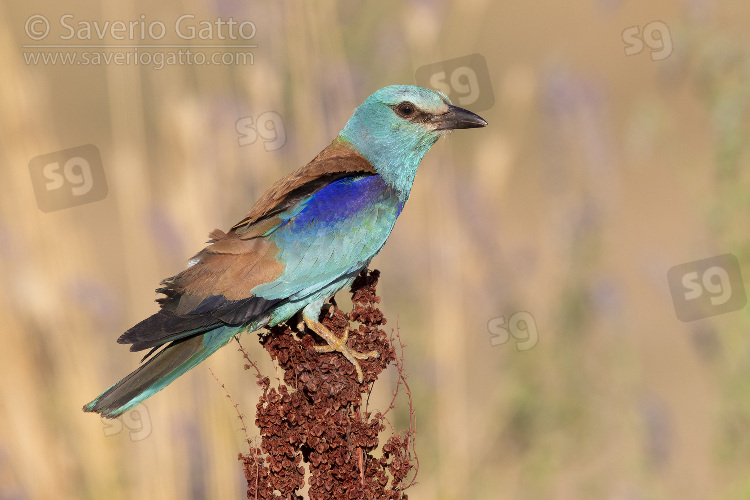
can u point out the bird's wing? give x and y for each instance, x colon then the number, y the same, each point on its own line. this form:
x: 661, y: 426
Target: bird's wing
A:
x: 216, y: 287
x: 339, y: 229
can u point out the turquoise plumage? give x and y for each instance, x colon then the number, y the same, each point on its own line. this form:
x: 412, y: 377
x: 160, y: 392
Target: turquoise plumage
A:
x: 307, y: 237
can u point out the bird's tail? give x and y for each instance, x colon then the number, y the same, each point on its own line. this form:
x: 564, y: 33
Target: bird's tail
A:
x: 158, y: 372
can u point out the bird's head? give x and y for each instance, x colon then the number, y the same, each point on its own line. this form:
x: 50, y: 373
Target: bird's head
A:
x: 397, y: 125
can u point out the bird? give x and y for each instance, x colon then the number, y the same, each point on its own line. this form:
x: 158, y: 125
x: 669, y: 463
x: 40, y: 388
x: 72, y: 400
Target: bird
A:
x: 306, y: 238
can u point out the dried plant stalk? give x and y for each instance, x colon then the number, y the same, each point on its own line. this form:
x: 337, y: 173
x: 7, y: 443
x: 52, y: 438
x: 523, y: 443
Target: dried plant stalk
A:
x: 317, y: 414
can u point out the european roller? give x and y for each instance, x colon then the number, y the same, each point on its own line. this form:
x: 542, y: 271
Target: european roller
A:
x: 305, y: 239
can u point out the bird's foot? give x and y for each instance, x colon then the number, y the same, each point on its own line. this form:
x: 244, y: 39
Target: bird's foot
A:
x: 338, y: 344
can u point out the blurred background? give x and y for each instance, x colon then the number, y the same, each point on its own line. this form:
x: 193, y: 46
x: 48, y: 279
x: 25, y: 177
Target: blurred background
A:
x: 550, y: 353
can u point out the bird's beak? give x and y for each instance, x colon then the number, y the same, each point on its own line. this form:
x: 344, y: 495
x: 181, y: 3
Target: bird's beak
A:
x: 458, y: 118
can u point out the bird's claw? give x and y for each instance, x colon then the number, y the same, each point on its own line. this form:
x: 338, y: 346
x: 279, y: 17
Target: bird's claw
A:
x: 338, y: 344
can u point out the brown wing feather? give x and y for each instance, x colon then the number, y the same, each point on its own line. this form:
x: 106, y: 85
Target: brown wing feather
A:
x: 216, y: 288
x: 236, y: 262
x: 230, y: 267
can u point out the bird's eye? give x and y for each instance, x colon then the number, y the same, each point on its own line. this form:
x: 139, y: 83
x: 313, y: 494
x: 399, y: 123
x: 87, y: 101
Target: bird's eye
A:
x: 405, y: 109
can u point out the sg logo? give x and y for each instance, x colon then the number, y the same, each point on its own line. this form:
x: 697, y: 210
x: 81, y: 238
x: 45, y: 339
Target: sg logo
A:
x: 465, y: 80
x: 660, y: 46
x: 707, y: 287
x: 136, y: 420
x: 268, y: 126
x: 68, y: 178
x: 521, y: 326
